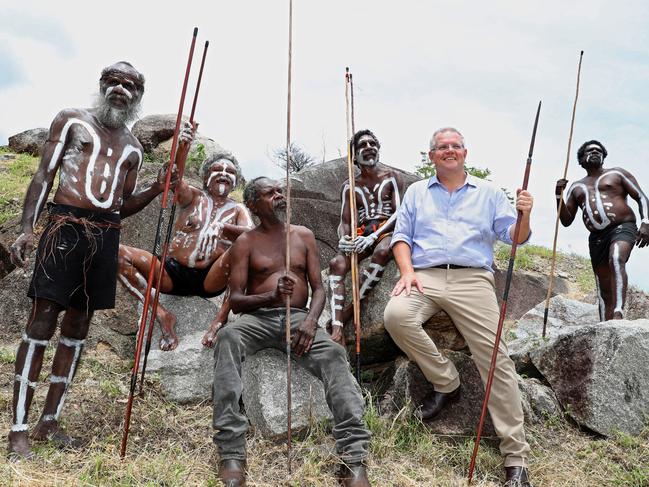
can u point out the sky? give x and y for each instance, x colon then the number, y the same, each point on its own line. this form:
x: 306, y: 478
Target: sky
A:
x: 417, y: 65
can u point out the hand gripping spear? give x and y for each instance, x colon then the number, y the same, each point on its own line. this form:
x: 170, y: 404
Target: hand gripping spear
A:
x: 353, y: 223
x: 155, y: 253
x: 560, y: 204
x: 180, y: 164
x: 503, y: 306
x: 288, y: 241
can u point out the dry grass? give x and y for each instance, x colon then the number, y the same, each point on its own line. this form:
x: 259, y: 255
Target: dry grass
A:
x: 171, y: 445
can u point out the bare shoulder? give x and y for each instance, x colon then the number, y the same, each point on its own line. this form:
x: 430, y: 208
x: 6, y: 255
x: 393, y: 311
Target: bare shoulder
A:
x: 67, y: 114
x: 620, y: 170
x: 303, y: 232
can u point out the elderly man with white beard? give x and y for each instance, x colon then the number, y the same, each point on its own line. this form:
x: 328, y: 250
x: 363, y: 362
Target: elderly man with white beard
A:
x: 97, y: 160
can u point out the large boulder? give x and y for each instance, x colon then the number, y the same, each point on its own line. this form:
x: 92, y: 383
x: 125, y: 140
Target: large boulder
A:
x: 30, y: 141
x: 154, y: 129
x: 599, y: 374
x: 264, y: 395
x: 637, y: 304
x: 186, y: 373
x: 563, y: 315
x: 403, y: 388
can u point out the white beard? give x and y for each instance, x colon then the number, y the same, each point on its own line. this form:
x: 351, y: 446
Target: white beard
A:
x: 113, y: 117
x: 281, y: 215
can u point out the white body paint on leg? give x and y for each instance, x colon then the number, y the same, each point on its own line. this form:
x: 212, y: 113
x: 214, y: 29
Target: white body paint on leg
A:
x: 23, y: 378
x: 77, y: 345
x: 618, y: 278
x: 334, y: 281
x: 600, y: 301
x: 370, y: 278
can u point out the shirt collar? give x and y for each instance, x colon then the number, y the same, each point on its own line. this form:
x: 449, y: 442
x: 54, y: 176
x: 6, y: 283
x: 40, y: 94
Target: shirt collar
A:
x: 470, y: 180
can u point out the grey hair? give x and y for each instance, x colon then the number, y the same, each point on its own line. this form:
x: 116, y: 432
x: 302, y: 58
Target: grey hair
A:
x: 443, y: 130
x: 251, y: 191
x: 221, y: 154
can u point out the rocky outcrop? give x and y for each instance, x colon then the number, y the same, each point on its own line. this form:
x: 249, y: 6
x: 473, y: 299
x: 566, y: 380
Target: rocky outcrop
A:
x: 264, y: 395
x: 186, y: 373
x: 564, y: 314
x: 30, y: 141
x: 154, y: 129
x: 599, y: 374
x: 540, y: 404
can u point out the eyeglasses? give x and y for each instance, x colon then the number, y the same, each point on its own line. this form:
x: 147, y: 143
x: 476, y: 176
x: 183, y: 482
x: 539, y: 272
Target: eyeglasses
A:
x: 445, y: 147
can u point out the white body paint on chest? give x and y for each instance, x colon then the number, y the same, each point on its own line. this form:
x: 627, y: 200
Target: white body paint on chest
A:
x: 599, y: 204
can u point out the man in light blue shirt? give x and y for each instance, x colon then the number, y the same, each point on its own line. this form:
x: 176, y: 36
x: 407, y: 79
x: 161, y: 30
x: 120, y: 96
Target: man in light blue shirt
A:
x: 443, y: 245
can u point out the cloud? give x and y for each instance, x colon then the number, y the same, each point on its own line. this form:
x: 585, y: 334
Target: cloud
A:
x: 11, y: 72
x: 22, y: 23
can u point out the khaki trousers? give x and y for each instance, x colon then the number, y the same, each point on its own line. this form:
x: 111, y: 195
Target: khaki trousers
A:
x: 468, y: 297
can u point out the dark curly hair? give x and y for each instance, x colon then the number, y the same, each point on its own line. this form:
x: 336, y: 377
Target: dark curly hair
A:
x: 582, y: 150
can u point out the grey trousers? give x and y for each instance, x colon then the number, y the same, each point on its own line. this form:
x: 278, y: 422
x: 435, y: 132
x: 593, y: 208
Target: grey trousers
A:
x: 265, y: 328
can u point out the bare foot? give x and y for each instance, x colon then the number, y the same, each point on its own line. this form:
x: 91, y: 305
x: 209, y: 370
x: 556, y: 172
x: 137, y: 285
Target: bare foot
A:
x: 51, y: 431
x: 18, y: 448
x: 169, y: 339
x: 209, y: 339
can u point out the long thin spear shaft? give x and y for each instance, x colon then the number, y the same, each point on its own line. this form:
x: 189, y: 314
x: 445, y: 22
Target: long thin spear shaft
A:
x: 353, y: 223
x: 180, y: 164
x: 503, y: 307
x: 560, y: 205
x: 156, y: 251
x: 288, y: 240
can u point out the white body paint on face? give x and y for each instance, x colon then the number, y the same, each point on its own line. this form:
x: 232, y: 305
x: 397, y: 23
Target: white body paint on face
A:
x: 23, y: 378
x: 360, y: 154
x: 599, y: 203
x: 110, y: 89
x: 618, y: 278
x: 223, y: 163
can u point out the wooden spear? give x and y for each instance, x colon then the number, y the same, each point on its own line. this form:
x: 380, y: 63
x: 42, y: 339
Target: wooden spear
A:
x: 560, y: 204
x: 503, y: 307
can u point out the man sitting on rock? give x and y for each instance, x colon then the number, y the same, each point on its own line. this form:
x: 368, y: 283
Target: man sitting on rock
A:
x: 97, y: 160
x: 609, y: 219
x: 259, y: 288
x: 378, y: 196
x: 443, y: 245
x: 198, y: 260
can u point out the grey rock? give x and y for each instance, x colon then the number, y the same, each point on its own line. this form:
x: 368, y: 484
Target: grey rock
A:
x: 405, y: 387
x: 30, y: 141
x: 14, y: 303
x: 564, y: 314
x: 153, y: 129
x: 540, y: 404
x: 637, y: 304
x: 186, y: 373
x: 599, y: 374
x: 264, y: 395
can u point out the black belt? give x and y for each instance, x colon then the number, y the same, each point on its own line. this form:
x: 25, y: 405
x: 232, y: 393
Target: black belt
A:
x: 451, y: 266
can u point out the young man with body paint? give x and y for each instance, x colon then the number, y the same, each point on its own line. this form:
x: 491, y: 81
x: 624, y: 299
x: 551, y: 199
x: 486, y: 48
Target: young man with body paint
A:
x: 198, y: 261
x: 601, y: 195
x: 378, y: 196
x: 97, y: 159
x: 259, y: 287
x: 443, y: 245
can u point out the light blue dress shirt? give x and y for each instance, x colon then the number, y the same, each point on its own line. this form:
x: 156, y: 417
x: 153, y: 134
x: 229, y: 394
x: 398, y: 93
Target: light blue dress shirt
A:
x: 453, y: 228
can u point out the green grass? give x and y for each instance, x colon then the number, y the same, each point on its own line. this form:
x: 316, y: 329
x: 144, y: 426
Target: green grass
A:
x: 528, y: 257
x: 15, y: 175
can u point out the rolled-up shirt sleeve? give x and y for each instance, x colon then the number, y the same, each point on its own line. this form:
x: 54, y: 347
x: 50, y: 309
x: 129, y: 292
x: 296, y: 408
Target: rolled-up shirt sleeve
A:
x: 505, y: 219
x: 405, y: 225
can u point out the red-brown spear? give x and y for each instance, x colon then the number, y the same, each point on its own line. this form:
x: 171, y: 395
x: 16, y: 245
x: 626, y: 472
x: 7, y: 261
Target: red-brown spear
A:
x: 503, y: 306
x: 180, y: 164
x: 156, y: 251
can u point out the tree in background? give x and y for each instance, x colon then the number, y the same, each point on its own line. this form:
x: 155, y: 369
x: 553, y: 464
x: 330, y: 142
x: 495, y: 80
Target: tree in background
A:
x: 299, y: 158
x: 427, y: 170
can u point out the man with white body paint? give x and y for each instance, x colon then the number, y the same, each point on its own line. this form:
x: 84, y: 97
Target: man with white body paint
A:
x: 378, y: 196
x: 602, y: 195
x: 198, y: 261
x: 97, y: 159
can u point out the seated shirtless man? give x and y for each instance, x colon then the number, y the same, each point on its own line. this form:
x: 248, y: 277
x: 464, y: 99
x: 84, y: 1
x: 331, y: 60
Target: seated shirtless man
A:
x: 378, y: 196
x: 259, y: 288
x: 198, y: 260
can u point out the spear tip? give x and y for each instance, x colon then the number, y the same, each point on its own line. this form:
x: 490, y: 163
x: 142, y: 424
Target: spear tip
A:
x: 195, y: 31
x: 582, y: 52
x: 207, y: 43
